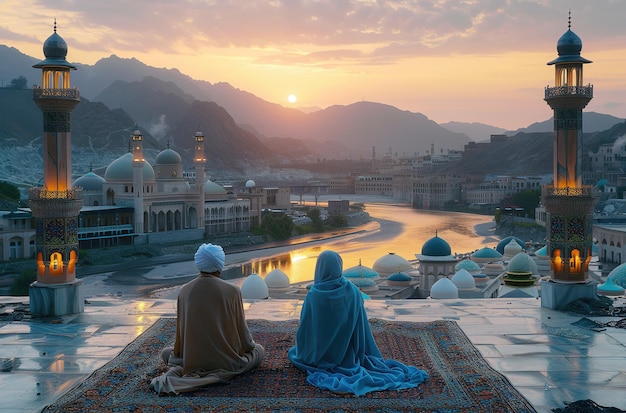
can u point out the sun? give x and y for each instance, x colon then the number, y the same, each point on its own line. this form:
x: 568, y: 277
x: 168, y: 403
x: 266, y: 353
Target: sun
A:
x: 292, y: 98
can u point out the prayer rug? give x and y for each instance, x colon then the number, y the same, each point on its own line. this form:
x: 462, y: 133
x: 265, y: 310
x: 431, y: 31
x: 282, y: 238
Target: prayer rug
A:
x: 460, y: 379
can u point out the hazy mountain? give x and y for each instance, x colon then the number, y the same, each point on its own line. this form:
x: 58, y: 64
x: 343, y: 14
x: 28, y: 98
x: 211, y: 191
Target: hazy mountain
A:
x: 592, y: 122
x: 476, y: 131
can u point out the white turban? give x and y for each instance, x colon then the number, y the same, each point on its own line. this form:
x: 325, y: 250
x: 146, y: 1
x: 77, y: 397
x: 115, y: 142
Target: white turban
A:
x: 209, y: 258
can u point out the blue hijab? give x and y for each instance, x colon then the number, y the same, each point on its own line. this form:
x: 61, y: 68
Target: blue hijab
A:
x: 334, y: 343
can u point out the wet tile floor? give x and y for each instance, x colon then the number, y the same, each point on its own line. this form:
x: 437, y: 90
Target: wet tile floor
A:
x: 548, y: 359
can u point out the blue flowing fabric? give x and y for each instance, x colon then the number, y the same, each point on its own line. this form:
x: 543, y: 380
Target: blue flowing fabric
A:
x: 334, y: 343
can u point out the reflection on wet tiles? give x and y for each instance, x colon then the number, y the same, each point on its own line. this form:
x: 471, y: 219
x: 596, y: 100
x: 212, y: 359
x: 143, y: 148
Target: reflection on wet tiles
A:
x: 527, y: 379
x: 535, y: 350
x: 488, y: 350
x: 558, y: 363
x: 586, y: 377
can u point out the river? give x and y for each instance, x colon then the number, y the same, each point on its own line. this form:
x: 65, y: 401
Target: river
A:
x: 397, y: 229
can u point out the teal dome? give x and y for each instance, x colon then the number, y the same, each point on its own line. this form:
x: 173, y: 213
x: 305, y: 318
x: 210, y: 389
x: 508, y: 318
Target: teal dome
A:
x: 486, y: 254
x: 521, y: 263
x: 90, y: 182
x: 55, y: 50
x: 542, y: 252
x: 436, y: 247
x: 360, y: 271
x: 365, y: 284
x: 618, y: 275
x: 399, y: 277
x: 467, y: 265
x: 121, y: 169
x: 168, y: 157
x: 569, y: 47
x: 506, y: 241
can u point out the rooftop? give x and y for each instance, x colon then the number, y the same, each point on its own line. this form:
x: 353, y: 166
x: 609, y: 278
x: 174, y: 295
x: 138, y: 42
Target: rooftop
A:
x: 547, y: 358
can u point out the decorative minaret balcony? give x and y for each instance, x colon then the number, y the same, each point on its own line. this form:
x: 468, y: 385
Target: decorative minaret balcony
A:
x: 56, y: 93
x: 569, y: 91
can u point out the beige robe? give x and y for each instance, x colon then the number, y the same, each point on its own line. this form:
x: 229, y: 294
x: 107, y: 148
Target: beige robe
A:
x: 213, y: 343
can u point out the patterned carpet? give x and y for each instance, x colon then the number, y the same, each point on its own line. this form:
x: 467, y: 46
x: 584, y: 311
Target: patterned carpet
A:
x: 460, y: 379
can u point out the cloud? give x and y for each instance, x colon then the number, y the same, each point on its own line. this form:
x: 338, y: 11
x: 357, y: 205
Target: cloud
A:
x: 445, y: 26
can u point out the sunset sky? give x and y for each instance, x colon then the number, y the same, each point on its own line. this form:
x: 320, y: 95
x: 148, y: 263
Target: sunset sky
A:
x: 452, y: 60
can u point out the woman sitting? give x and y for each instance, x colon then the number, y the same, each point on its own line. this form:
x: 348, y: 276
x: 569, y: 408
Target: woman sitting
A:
x: 334, y: 343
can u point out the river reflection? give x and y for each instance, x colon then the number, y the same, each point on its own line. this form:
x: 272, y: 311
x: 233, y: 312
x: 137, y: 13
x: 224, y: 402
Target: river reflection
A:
x: 402, y: 230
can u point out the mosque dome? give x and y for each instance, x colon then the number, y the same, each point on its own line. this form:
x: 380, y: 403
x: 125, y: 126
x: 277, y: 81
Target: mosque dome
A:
x: 505, y: 241
x: 486, y: 254
x: 364, y: 284
x: 512, y: 249
x: 436, y: 247
x: 609, y: 288
x: 444, y: 288
x: 470, y: 266
x: 399, y: 279
x: 211, y: 187
x: 121, y: 169
x: 360, y: 271
x: 90, y: 182
x: 277, y: 280
x: 391, y: 263
x: 618, y: 275
x: 542, y: 253
x: 522, y: 263
x: 168, y: 157
x: 463, y: 279
x: 254, y: 288
x: 250, y: 184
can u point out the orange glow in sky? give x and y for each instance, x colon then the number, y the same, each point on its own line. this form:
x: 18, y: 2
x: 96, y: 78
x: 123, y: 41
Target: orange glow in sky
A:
x: 452, y: 61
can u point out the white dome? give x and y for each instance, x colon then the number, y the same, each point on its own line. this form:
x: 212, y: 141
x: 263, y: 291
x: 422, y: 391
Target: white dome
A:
x: 254, y: 288
x: 512, y: 248
x: 250, y: 184
x: 463, y: 279
x: 444, y: 288
x: 277, y: 279
x: 390, y: 263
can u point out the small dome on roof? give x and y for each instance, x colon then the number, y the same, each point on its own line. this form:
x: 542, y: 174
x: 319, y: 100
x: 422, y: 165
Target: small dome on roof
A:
x: 618, y: 275
x: 486, y: 254
x: 211, y: 187
x: 505, y: 241
x: 463, y: 279
x: 522, y: 262
x: 250, y: 184
x: 90, y: 182
x: 399, y: 277
x: 390, y: 263
x: 364, y: 284
x: 609, y: 288
x: 468, y: 265
x: 542, y: 252
x: 436, y: 247
x: 277, y: 279
x: 444, y: 288
x: 168, y: 157
x: 512, y: 249
x: 254, y: 288
x: 121, y: 169
x: 360, y: 271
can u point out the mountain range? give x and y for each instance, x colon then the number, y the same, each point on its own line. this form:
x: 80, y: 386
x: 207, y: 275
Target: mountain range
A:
x: 243, y: 132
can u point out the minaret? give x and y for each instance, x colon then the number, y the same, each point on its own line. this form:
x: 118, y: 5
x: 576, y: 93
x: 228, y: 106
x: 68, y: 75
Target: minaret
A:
x: 56, y: 205
x: 569, y: 204
x: 199, y: 161
x: 138, y: 165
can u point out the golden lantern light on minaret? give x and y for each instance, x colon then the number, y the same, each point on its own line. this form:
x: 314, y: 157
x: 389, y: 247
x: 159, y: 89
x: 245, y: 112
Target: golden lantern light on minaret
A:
x: 199, y: 161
